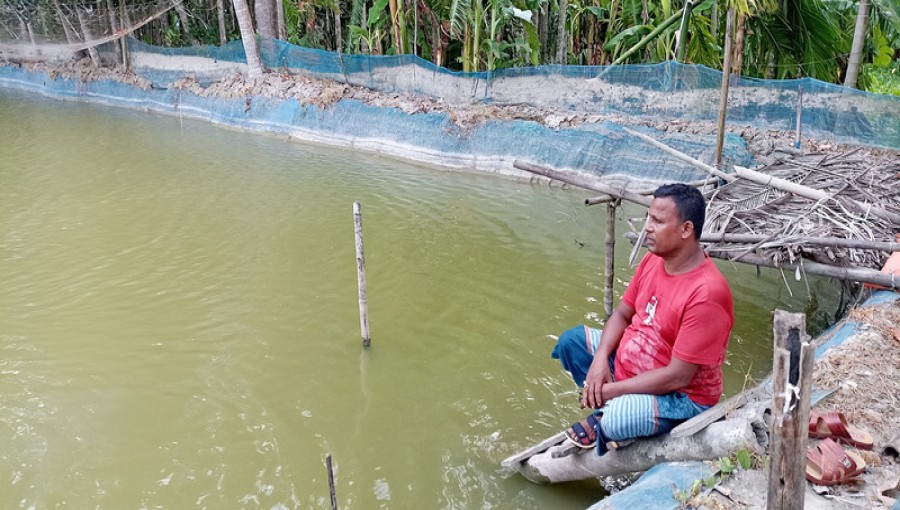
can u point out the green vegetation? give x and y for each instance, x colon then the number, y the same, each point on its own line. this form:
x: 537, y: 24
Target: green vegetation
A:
x: 773, y: 38
x: 725, y: 467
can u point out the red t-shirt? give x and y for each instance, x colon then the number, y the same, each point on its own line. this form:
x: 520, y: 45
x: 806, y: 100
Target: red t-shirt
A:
x: 688, y: 316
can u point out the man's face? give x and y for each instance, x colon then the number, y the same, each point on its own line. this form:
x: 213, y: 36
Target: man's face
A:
x: 665, y: 231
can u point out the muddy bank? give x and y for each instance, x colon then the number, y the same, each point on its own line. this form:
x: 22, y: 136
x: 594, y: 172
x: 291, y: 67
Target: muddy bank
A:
x: 864, y: 373
x: 766, y: 145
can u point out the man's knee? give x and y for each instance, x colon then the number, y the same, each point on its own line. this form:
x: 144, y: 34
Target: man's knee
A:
x: 628, y: 417
x: 570, y: 341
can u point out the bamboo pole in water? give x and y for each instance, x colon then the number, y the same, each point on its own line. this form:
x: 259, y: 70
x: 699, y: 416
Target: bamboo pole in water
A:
x: 331, y: 490
x: 609, y: 268
x: 361, y: 276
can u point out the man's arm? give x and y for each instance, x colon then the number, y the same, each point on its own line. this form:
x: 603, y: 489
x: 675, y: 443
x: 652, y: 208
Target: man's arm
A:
x: 598, y: 374
x: 673, y: 377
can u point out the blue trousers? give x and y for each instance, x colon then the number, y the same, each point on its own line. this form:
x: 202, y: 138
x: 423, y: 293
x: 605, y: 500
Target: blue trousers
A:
x: 628, y: 416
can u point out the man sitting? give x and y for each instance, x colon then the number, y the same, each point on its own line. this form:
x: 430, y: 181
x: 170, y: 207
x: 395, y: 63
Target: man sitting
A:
x: 658, y: 360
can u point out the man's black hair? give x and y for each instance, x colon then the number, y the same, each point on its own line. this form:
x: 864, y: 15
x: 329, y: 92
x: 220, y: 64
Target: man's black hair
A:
x: 688, y: 202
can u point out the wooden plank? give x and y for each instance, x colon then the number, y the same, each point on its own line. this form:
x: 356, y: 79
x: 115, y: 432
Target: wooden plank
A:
x: 718, y: 411
x: 527, y: 453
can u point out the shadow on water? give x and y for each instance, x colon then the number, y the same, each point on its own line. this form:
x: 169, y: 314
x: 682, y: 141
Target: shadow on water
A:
x: 180, y: 322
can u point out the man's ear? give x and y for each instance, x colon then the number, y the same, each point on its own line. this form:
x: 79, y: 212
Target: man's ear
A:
x: 687, y: 229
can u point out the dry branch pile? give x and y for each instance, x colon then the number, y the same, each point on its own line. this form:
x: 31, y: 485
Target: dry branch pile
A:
x: 857, y: 185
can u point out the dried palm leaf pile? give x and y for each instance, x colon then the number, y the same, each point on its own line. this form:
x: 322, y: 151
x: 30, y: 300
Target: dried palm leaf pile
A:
x: 852, y: 224
x: 828, y: 212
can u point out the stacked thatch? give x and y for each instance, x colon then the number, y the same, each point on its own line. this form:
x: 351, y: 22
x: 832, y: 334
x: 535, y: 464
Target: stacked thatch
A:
x: 854, y: 225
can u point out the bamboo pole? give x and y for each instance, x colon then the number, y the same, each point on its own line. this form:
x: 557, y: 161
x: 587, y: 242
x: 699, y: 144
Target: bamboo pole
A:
x: 833, y: 242
x: 331, y: 490
x: 361, y: 276
x: 609, y: 267
x: 726, y: 79
x: 792, y: 385
x: 682, y: 156
x: 582, y: 181
x: 781, y: 184
x: 799, y: 116
x: 849, y: 273
x: 599, y: 199
x: 811, y: 193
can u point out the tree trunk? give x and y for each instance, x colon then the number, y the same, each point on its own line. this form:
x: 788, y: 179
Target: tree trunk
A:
x: 740, y: 33
x: 248, y: 38
x: 67, y: 27
x: 279, y: 20
x: 437, y: 46
x: 114, y: 26
x: 543, y: 24
x: 746, y: 430
x: 338, y: 32
x: 395, y: 24
x: 859, y: 35
x: 185, y: 22
x: 266, y: 23
x: 163, y: 29
x: 220, y: 12
x: 92, y: 51
x: 562, y: 42
x: 267, y: 28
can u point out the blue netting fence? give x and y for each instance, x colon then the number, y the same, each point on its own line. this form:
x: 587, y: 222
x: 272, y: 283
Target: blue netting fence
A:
x: 665, y: 91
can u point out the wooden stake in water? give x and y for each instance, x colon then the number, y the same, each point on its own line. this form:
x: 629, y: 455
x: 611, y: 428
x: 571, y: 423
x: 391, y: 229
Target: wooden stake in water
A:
x: 609, y: 268
x: 361, y: 276
x: 331, y: 482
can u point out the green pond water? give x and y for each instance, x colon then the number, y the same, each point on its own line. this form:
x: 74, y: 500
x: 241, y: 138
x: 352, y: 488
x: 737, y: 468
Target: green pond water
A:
x: 179, y: 324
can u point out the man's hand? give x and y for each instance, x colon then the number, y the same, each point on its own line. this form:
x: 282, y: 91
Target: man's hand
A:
x: 597, y: 376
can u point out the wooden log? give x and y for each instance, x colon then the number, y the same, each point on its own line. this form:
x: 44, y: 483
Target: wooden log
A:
x: 682, y: 156
x: 792, y: 385
x: 834, y: 242
x: 361, y: 276
x: 726, y: 80
x: 610, y: 267
x: 582, y: 181
x: 721, y: 439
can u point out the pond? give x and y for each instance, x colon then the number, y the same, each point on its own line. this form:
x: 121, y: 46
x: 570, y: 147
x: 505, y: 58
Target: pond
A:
x: 180, y: 327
